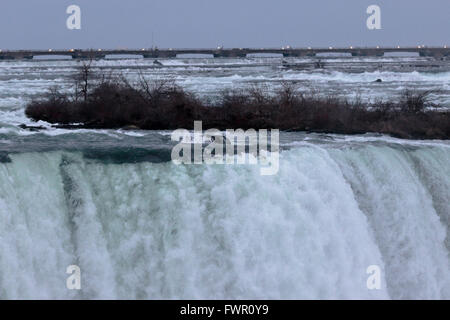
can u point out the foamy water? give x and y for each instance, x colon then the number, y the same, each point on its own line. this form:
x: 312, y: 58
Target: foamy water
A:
x: 156, y: 230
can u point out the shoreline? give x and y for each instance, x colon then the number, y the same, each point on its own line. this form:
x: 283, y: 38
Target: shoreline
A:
x: 134, y: 128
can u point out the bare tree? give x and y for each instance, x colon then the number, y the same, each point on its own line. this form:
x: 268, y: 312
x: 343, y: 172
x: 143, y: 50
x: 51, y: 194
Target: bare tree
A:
x: 416, y: 101
x: 259, y: 93
x: 83, y: 80
x: 154, y: 90
x: 288, y: 92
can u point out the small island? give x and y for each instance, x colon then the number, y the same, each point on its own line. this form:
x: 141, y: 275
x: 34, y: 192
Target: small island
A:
x: 100, y: 102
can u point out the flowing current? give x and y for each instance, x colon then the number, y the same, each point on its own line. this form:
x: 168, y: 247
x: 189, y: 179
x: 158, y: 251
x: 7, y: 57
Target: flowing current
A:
x: 141, y: 227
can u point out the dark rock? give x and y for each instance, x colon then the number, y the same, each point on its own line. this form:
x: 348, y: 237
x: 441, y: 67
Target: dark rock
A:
x: 131, y: 127
x: 32, y: 128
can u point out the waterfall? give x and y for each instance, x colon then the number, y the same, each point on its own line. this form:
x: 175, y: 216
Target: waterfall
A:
x: 161, y: 231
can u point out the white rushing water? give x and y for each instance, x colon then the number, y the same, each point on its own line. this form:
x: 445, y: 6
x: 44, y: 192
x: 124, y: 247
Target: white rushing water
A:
x: 156, y: 230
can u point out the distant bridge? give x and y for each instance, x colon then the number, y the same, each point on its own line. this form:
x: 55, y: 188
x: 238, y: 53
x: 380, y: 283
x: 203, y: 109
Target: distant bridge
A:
x: 222, y: 52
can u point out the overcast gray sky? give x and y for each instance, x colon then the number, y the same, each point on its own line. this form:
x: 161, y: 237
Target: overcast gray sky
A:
x: 39, y: 24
